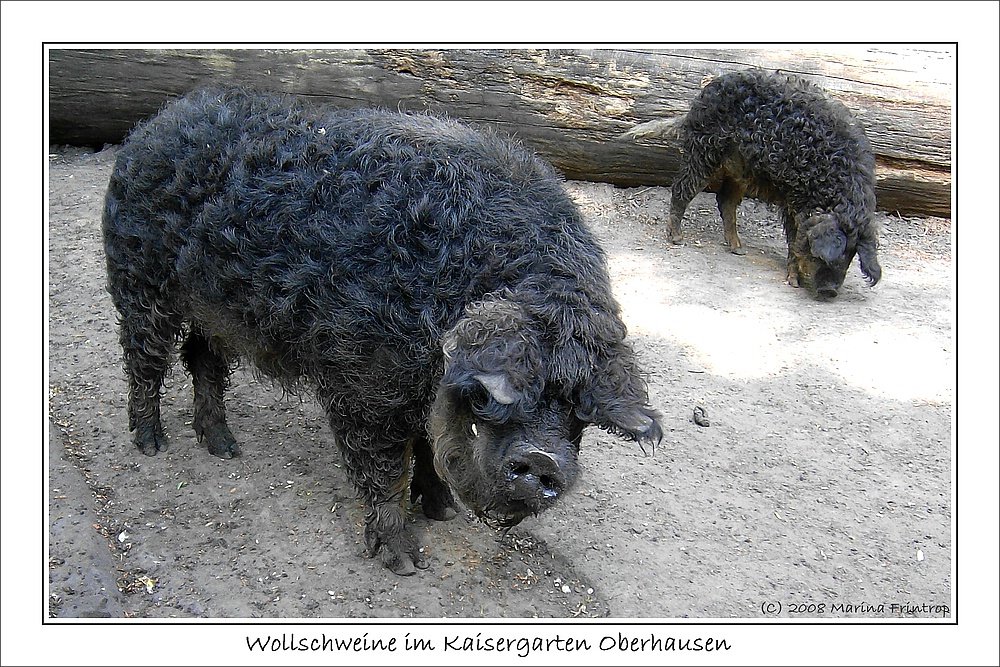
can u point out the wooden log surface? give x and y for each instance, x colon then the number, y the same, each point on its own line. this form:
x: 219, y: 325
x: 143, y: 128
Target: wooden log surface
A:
x: 570, y: 105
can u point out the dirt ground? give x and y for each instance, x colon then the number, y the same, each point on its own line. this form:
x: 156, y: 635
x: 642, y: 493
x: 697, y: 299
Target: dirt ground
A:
x: 821, y: 489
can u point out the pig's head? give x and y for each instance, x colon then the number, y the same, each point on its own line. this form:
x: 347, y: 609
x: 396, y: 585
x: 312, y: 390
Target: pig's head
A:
x: 823, y: 249
x: 511, y: 408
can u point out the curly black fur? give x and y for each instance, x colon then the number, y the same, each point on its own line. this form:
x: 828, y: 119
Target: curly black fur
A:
x: 782, y: 139
x: 433, y: 285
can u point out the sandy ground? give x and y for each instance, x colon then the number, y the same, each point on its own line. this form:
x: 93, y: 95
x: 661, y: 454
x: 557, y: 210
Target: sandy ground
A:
x: 822, y: 485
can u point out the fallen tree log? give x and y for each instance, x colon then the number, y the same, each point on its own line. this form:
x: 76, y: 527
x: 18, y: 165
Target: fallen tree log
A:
x: 569, y: 105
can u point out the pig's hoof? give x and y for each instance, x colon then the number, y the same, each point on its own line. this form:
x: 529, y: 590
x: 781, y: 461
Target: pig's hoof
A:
x: 399, y: 553
x: 440, y: 507
x: 149, y: 441
x: 739, y: 250
x: 404, y: 562
x: 435, y: 499
x: 446, y: 513
x: 220, y: 441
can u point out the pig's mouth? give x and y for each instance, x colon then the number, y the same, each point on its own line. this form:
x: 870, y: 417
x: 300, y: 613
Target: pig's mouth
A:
x: 510, y: 505
x: 494, y: 517
x: 496, y: 505
x: 498, y: 521
x: 527, y: 482
x: 823, y: 280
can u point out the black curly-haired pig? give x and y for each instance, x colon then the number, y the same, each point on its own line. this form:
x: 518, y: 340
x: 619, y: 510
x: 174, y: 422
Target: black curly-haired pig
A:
x: 781, y: 139
x: 433, y: 285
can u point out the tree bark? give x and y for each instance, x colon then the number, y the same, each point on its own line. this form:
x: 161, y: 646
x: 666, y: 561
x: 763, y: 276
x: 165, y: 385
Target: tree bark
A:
x: 569, y: 105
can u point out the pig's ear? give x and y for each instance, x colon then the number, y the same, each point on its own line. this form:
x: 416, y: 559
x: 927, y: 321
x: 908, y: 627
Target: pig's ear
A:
x: 826, y: 240
x: 490, y: 361
x: 490, y: 395
x: 868, y: 255
x: 615, y: 399
x: 498, y: 386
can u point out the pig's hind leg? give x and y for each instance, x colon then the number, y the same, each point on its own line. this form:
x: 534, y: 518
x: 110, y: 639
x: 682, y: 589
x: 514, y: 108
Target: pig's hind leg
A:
x: 209, y: 371
x: 728, y: 198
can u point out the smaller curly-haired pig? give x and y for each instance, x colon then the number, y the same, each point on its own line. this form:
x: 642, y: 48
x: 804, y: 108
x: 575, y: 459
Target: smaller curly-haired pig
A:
x: 781, y: 139
x: 433, y: 285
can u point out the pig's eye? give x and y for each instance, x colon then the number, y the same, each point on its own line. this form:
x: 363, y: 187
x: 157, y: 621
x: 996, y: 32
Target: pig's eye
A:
x: 478, y: 397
